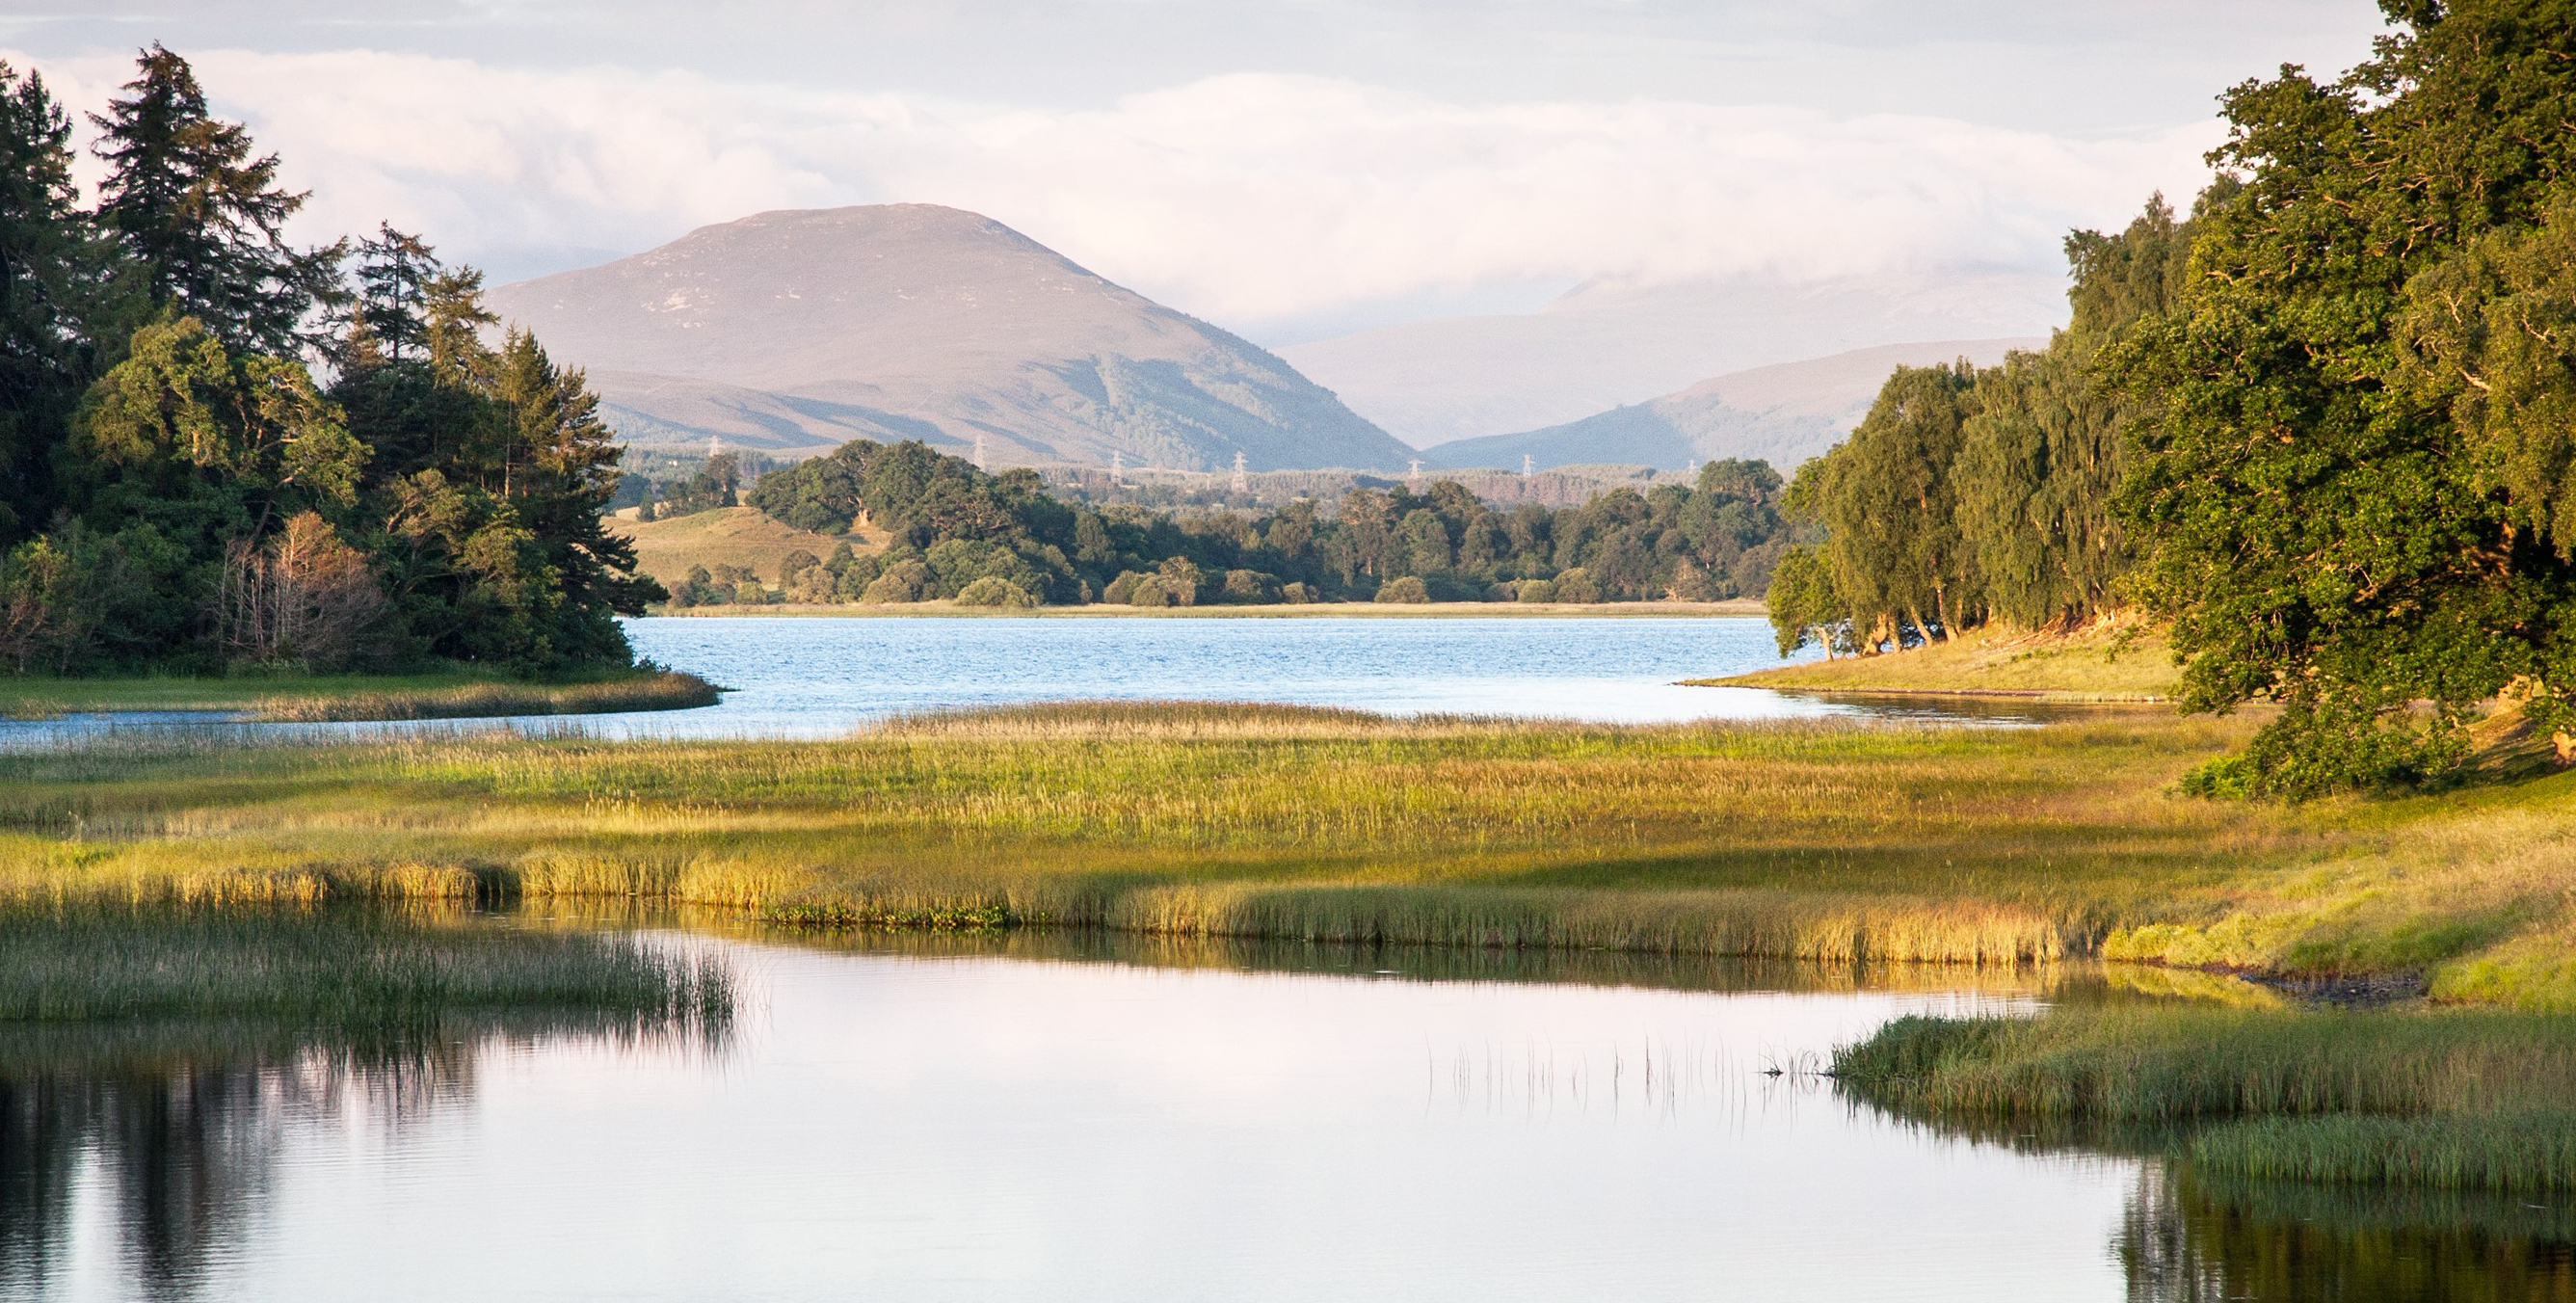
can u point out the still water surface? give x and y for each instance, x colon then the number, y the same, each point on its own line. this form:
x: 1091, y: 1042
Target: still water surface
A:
x: 806, y: 677
x: 1079, y: 1119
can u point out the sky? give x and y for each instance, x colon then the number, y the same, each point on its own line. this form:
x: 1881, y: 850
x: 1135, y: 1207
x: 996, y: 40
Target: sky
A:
x: 1292, y: 169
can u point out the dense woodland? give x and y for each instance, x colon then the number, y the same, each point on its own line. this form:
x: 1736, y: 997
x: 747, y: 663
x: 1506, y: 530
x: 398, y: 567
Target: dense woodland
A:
x: 1005, y: 540
x: 2325, y: 428
x: 221, y: 451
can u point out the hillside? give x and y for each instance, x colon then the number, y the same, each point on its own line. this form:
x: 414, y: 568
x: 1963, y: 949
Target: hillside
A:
x: 1781, y: 414
x: 1433, y: 382
x: 735, y: 536
x: 804, y: 328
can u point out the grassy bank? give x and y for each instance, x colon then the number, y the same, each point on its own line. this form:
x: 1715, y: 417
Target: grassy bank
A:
x: 2105, y: 664
x: 1824, y: 841
x: 1273, y: 610
x: 2439, y: 1098
x: 304, y: 698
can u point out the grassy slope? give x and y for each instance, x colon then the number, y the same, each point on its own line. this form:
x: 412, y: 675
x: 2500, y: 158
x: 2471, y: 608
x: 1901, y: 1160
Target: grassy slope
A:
x: 1390, y: 610
x: 737, y: 536
x: 352, y: 696
x: 1798, y: 840
x: 2129, y: 664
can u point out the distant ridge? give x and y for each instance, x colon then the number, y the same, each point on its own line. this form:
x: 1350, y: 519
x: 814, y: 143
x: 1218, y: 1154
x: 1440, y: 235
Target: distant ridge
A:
x: 1598, y: 346
x: 1782, y: 414
x: 802, y: 329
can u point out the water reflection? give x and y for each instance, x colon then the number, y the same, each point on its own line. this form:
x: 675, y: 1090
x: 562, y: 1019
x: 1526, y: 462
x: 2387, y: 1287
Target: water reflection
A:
x: 2188, y: 1239
x: 148, y: 1143
x: 1083, y: 1115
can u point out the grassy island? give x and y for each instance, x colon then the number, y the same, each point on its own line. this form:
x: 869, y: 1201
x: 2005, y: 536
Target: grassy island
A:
x: 304, y: 698
x: 1827, y: 841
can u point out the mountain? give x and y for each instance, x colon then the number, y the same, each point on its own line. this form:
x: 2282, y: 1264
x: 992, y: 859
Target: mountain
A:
x: 802, y: 329
x: 1782, y: 414
x: 1600, y: 346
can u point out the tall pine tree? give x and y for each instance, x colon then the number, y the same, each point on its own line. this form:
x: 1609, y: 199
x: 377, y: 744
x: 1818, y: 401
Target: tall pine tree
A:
x: 204, y: 214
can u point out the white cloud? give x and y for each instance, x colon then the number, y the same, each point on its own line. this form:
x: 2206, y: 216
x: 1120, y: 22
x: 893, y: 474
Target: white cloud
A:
x: 1242, y: 198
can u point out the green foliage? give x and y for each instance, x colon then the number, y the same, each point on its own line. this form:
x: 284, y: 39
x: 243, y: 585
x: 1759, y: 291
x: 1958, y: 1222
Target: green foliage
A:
x: 176, y: 490
x: 2356, y: 456
x: 1714, y: 540
x: 203, y: 216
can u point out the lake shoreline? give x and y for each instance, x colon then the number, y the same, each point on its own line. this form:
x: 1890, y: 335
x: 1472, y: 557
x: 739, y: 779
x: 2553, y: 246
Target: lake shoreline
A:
x: 1276, y: 610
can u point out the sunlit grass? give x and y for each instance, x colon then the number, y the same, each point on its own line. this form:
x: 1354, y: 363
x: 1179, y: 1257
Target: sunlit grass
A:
x: 310, y: 698
x: 2463, y: 1099
x: 1823, y: 840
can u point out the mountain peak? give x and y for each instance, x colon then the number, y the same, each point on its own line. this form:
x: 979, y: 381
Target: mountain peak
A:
x: 800, y: 328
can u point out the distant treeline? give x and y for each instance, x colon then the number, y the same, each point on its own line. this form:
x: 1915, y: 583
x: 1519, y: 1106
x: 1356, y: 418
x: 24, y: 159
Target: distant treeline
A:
x: 178, y: 488
x: 955, y: 527
x: 2326, y: 429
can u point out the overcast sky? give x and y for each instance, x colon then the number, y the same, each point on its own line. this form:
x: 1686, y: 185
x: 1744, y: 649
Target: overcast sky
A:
x: 1286, y: 167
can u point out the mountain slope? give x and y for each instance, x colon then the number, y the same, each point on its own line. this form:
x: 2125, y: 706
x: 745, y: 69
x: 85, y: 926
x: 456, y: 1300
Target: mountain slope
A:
x: 805, y: 328
x: 1599, y: 346
x: 1782, y: 414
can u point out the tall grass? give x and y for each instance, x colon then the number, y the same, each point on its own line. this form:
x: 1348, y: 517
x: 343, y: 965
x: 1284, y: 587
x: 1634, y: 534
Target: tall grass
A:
x: 660, y: 691
x: 309, y: 698
x: 1800, y: 840
x: 2440, y: 1098
x: 309, y: 970
x: 1821, y: 840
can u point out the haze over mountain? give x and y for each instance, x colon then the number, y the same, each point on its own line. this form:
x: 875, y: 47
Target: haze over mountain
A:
x: 1435, y: 382
x: 800, y: 329
x: 1781, y: 414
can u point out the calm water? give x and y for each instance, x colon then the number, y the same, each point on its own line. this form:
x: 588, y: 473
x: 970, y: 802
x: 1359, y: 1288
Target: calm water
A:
x: 1054, y: 1120
x: 820, y: 677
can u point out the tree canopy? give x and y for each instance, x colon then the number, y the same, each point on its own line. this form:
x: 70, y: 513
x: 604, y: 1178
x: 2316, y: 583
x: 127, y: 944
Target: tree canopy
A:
x: 178, y: 489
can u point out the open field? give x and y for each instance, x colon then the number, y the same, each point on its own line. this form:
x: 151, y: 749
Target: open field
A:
x: 2128, y: 663
x: 1273, y: 610
x: 308, y: 698
x: 1824, y: 841
x: 733, y: 536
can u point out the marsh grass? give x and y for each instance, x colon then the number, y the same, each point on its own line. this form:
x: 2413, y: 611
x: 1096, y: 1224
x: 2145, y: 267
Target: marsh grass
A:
x: 1889, y: 842
x: 292, y: 698
x: 2441, y: 1098
x: 1812, y: 841
x: 657, y: 691
x: 307, y: 971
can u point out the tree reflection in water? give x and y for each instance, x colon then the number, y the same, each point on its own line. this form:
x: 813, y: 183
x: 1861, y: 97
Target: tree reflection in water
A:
x: 2189, y: 1239
x: 172, y: 1124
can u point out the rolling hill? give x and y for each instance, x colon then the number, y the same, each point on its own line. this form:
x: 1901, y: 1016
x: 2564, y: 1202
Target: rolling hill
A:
x: 1599, y: 346
x: 801, y: 329
x: 1782, y: 414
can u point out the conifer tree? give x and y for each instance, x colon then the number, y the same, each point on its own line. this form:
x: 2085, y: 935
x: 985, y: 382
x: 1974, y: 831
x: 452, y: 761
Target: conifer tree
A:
x: 204, y: 215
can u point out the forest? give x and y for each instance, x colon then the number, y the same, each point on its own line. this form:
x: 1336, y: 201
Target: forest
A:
x: 220, y: 452
x: 1003, y: 540
x: 2323, y: 427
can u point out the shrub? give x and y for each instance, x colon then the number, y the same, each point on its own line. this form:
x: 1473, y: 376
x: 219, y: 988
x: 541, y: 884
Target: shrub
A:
x: 1535, y: 590
x: 1148, y: 590
x: 1404, y: 588
x: 1298, y: 594
x: 1122, y: 590
x: 1247, y: 586
x: 1577, y: 585
x: 902, y: 582
x: 992, y: 590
